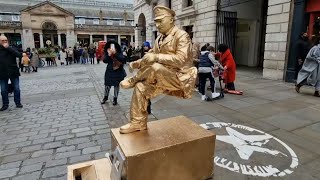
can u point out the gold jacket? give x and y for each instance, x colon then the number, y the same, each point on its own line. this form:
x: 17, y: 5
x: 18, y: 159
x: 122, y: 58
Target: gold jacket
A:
x: 175, y: 53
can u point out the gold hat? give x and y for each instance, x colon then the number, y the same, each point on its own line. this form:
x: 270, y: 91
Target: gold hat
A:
x: 162, y: 11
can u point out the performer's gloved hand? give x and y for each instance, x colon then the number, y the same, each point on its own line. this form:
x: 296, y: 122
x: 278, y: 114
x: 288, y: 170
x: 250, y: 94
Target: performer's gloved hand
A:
x: 150, y: 58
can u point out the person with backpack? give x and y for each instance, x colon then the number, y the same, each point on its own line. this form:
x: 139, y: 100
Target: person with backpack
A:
x: 206, y: 65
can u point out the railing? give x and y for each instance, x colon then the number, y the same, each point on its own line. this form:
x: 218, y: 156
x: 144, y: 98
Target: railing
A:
x: 92, y: 3
x: 10, y: 24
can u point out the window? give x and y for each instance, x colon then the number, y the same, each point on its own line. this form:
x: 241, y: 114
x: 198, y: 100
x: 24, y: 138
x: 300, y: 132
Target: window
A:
x: 96, y: 21
x: 76, y: 21
x: 109, y: 22
x: 189, y: 30
x: 82, y: 21
x: 15, y: 18
x: 122, y: 23
x: 0, y: 18
x: 189, y: 3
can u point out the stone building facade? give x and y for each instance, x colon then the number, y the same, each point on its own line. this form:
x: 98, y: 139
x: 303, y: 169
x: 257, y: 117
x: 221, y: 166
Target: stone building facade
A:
x: 66, y: 23
x: 257, y: 30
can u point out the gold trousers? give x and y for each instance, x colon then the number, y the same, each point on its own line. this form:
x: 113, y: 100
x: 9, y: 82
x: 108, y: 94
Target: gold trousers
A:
x: 152, y: 80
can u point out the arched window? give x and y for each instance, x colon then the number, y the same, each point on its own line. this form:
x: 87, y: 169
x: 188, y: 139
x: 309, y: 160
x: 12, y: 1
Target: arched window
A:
x: 49, y: 26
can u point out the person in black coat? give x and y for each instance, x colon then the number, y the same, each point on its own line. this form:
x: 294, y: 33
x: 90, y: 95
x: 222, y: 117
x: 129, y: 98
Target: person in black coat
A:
x: 303, y: 47
x: 115, y: 72
x: 9, y: 70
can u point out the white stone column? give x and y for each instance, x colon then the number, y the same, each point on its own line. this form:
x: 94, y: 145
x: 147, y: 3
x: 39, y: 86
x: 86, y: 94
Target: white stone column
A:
x: 119, y: 39
x: 131, y: 42
x: 276, y: 39
x: 105, y: 37
x: 91, y: 39
x: 138, y: 37
x: 27, y: 39
x: 41, y: 40
x: 71, y: 38
x: 59, y: 40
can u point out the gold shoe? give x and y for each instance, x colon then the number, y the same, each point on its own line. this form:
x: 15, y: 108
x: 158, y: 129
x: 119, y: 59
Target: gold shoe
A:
x: 128, y: 83
x: 129, y: 128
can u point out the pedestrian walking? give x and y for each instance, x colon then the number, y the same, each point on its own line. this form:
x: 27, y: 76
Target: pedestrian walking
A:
x: 91, y: 52
x: 115, y: 72
x: 9, y: 71
x: 302, y: 49
x: 35, y: 60
x: 206, y: 65
x: 69, y: 56
x: 85, y: 56
x: 310, y: 71
x: 63, y: 57
x: 26, y: 62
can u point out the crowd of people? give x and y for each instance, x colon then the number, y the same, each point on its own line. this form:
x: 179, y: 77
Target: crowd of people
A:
x: 209, y: 62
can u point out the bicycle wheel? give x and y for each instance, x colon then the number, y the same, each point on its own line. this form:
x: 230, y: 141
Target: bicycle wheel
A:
x: 41, y: 63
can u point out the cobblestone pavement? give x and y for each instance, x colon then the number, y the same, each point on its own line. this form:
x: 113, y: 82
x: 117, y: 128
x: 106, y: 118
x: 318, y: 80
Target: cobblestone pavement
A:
x: 63, y: 123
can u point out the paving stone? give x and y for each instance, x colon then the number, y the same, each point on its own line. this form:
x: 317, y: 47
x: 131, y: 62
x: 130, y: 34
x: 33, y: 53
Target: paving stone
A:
x: 90, y: 150
x: 67, y: 127
x: 31, y: 168
x: 67, y: 154
x: 66, y: 148
x: 52, y: 163
x: 85, y: 145
x: 16, y: 157
x: 59, y: 178
x: 78, y: 140
x: 87, y: 133
x: 81, y: 158
x: 7, y: 152
x: 52, y: 145
x: 80, y: 130
x: 36, y: 160
x: 63, y: 137
x: 59, y: 133
x: 16, y: 140
x: 31, y: 148
x: 42, y: 141
x: 39, y: 136
x: 55, y: 171
x: 10, y: 165
x: 8, y: 172
x: 32, y: 176
x: 100, y: 127
x: 42, y: 153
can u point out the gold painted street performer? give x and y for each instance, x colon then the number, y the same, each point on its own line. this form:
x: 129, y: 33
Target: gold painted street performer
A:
x: 167, y: 68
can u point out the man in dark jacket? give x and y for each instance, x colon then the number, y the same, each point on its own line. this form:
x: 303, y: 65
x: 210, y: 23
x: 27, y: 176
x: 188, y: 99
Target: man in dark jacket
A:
x: 303, y: 47
x: 9, y: 70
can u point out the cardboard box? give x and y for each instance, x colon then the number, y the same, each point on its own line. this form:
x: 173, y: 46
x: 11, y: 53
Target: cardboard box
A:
x: 91, y: 170
x: 171, y: 149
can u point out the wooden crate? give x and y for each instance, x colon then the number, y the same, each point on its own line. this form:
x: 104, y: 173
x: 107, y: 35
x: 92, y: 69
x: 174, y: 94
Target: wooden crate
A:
x: 171, y: 149
x: 91, y: 170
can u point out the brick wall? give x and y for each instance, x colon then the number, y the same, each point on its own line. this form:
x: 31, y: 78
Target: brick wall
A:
x: 276, y: 39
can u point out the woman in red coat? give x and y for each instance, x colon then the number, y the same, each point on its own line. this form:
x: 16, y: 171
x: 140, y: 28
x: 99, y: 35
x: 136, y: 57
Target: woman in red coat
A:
x: 229, y: 65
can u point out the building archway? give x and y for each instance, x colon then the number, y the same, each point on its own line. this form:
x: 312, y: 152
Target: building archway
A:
x: 241, y: 24
x: 142, y: 29
x: 50, y: 32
